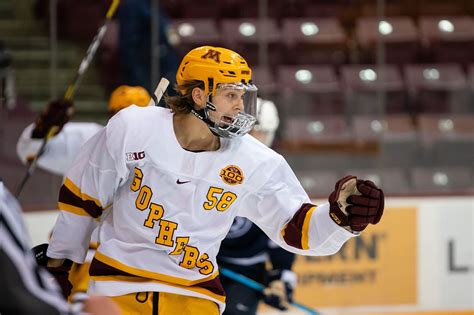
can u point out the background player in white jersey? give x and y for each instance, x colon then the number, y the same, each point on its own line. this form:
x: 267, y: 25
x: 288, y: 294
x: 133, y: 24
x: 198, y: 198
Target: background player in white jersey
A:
x: 61, y: 151
x: 176, y: 179
x: 64, y: 146
x: 247, y: 250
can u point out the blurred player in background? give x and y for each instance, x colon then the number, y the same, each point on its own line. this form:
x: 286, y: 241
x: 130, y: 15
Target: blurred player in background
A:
x: 177, y: 178
x: 136, y: 66
x: 63, y: 148
x: 246, y: 249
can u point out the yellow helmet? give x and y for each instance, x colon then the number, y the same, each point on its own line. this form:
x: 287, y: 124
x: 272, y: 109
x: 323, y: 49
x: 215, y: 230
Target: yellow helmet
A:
x: 220, y: 68
x: 125, y: 95
x: 213, y: 66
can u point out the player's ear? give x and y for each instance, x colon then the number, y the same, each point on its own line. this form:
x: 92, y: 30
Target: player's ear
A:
x: 199, y: 97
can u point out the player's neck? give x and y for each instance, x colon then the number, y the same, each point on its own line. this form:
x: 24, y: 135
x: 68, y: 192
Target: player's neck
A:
x: 193, y: 134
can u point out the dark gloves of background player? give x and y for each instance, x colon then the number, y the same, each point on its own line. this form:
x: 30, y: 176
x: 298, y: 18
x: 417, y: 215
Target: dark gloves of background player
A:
x: 56, y: 114
x: 356, y: 203
x: 60, y: 273
x: 279, y: 290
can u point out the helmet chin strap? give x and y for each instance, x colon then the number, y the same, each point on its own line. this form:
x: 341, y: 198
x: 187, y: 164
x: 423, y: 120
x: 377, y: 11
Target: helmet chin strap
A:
x: 203, y: 114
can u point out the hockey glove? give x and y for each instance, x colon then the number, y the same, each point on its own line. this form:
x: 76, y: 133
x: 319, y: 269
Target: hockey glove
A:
x: 356, y: 203
x: 40, y: 254
x: 60, y: 273
x: 279, y: 291
x: 56, y: 114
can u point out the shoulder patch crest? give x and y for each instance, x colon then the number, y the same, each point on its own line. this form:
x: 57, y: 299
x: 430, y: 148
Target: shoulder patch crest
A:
x: 232, y: 175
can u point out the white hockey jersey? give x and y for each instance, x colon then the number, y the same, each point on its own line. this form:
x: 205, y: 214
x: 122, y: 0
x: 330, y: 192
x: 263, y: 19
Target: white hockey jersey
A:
x: 61, y: 149
x: 60, y: 152
x: 164, y: 210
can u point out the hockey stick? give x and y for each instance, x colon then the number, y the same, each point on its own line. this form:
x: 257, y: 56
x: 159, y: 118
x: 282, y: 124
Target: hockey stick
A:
x: 159, y: 91
x: 91, y: 51
x: 260, y: 287
x: 71, y: 89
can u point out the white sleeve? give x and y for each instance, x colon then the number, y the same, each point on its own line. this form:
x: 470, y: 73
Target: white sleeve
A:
x: 60, y: 150
x: 87, y: 191
x: 283, y: 210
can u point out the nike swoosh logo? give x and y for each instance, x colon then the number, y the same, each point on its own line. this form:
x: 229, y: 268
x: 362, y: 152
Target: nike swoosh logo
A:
x: 180, y: 182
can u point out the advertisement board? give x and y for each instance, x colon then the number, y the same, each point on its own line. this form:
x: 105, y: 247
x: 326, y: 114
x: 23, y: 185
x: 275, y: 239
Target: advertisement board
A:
x: 378, y: 267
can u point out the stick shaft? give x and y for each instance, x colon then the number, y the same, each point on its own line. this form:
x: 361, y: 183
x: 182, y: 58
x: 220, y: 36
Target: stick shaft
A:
x: 259, y: 287
x: 91, y: 50
x: 71, y: 89
x: 159, y: 91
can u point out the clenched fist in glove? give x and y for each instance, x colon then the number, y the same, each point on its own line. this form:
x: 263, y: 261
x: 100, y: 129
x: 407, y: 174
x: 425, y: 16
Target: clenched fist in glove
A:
x: 59, y: 268
x: 356, y: 203
x: 56, y: 114
x: 279, y: 291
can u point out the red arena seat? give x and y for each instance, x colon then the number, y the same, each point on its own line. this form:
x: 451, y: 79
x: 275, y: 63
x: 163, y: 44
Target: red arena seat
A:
x: 437, y: 88
x: 314, y: 40
x: 399, y: 35
x: 310, y: 89
x: 244, y: 35
x: 442, y: 179
x: 195, y: 32
x: 362, y: 83
x: 448, y: 39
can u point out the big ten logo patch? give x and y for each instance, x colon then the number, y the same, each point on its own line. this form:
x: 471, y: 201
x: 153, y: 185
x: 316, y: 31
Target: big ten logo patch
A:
x: 232, y: 175
x: 135, y: 156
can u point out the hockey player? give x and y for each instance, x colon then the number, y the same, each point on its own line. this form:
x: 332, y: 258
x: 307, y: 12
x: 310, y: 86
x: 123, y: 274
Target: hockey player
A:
x: 63, y: 148
x: 246, y: 249
x: 167, y: 184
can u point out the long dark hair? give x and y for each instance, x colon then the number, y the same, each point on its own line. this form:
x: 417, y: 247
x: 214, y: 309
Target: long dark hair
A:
x: 182, y: 103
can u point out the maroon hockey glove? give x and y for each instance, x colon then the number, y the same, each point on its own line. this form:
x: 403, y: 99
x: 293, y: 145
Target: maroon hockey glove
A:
x: 61, y: 273
x: 57, y: 114
x: 356, y: 203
